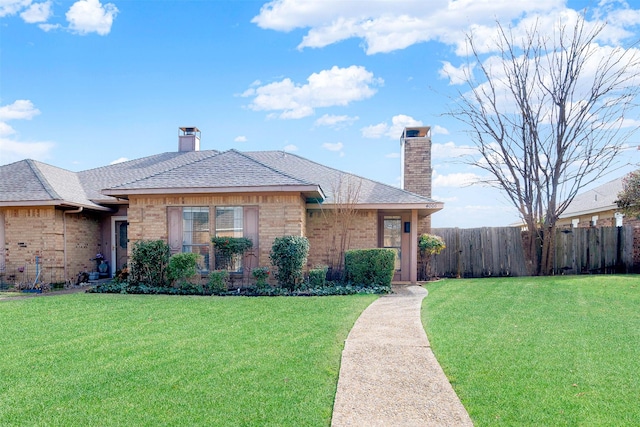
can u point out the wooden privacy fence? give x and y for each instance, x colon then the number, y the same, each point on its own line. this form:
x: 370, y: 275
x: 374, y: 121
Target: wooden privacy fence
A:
x: 498, y: 251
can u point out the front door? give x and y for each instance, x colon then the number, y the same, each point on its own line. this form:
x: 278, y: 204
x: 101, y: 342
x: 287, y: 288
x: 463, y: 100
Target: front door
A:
x: 121, y: 242
x: 394, y: 234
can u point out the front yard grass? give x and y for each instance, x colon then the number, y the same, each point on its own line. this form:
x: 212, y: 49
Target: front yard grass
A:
x: 540, y: 350
x: 88, y: 359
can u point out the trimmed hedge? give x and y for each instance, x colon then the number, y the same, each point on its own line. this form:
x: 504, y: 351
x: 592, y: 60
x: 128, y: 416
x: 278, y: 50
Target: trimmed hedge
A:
x: 369, y: 267
x: 289, y: 255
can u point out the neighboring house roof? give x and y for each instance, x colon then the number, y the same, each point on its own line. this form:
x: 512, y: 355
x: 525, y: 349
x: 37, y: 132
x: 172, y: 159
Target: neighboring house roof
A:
x: 599, y: 199
x: 29, y: 182
x: 34, y: 182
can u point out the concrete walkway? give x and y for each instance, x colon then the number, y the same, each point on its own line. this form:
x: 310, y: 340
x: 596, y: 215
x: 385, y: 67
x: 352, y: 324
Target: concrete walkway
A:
x: 389, y: 375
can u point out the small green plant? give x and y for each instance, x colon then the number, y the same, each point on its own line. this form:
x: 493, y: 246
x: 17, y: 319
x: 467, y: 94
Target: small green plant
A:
x: 261, y: 274
x: 370, y: 267
x: 318, y: 276
x: 148, y: 264
x: 289, y: 255
x: 228, y: 248
x: 183, y: 268
x: 218, y: 282
x: 428, y: 245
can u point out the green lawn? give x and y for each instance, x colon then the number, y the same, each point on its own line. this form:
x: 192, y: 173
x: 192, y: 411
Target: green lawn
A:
x: 123, y: 360
x: 540, y: 351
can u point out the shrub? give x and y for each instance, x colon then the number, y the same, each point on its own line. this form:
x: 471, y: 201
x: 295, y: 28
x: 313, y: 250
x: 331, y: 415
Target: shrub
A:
x: 369, y: 267
x: 261, y: 274
x: 428, y: 244
x: 318, y: 276
x: 218, y: 282
x: 182, y: 267
x: 148, y: 264
x: 289, y: 255
x: 227, y: 248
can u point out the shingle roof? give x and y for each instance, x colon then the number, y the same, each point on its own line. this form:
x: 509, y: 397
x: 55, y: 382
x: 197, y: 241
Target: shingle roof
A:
x: 29, y: 180
x: 599, y: 199
x: 228, y: 169
x: 37, y: 182
x: 339, y: 186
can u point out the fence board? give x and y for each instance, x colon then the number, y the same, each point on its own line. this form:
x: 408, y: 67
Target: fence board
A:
x: 498, y: 251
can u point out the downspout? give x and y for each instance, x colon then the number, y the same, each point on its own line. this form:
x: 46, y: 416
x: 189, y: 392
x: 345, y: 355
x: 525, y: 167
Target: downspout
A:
x: 64, y: 236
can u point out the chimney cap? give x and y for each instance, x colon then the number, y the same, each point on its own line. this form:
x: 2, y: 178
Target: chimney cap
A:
x: 189, y: 130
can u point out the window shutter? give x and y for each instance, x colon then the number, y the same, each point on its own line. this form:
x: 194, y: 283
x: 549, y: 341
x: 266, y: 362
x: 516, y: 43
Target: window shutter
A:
x: 174, y: 224
x: 250, y: 231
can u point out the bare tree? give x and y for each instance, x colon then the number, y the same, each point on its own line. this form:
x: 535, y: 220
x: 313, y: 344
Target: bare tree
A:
x: 548, y: 118
x: 340, y: 220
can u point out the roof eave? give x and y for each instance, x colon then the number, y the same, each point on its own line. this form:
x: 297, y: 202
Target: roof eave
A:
x: 566, y: 215
x: 423, y: 208
x: 60, y: 203
x: 311, y: 191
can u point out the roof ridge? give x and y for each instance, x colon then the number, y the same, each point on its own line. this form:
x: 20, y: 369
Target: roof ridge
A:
x: 43, y: 180
x: 248, y: 156
x: 214, y: 153
x: 346, y: 173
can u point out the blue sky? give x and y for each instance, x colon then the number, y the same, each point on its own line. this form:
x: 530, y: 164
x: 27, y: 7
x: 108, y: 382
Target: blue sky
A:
x: 87, y: 83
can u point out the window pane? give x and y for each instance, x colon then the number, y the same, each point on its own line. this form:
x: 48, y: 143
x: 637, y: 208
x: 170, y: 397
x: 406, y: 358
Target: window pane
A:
x: 392, y: 236
x: 229, y: 221
x: 195, y: 235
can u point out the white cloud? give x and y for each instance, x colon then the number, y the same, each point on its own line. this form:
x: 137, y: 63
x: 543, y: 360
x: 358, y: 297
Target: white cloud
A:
x: 393, y: 131
x: 456, y: 75
x: 119, y: 160
x: 240, y: 138
x: 11, y: 7
x: 334, y: 121
x: 333, y: 146
x: 327, y: 88
x: 450, y: 150
x: 20, y: 109
x: 374, y: 131
x: 385, y: 26
x: 48, y: 27
x: 460, y: 179
x: 393, y: 156
x: 37, y: 12
x: 439, y: 130
x: 88, y: 16
x: 13, y: 150
x: 290, y: 147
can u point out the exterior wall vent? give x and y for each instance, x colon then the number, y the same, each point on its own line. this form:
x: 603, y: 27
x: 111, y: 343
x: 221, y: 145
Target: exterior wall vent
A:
x: 188, y: 139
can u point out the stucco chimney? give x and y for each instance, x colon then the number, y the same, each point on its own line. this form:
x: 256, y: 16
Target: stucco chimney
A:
x: 189, y: 139
x: 415, y: 155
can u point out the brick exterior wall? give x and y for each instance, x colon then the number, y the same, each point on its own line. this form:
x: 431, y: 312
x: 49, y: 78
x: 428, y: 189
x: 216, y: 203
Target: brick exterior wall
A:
x: 279, y: 215
x: 32, y: 232
x: 324, y: 230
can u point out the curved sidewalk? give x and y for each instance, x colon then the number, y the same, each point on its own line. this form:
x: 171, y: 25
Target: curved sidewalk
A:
x: 389, y: 375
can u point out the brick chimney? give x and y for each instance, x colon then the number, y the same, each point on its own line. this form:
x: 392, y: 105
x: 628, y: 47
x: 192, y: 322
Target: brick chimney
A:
x: 415, y: 155
x: 189, y: 139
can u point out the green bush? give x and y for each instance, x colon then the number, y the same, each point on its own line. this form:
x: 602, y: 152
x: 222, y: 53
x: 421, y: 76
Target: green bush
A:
x: 218, y: 282
x: 183, y: 268
x: 318, y: 276
x: 229, y: 247
x: 148, y: 263
x: 369, y: 267
x: 289, y: 255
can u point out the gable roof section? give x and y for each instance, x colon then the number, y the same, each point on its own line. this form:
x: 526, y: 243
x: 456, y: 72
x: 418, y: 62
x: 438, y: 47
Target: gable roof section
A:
x: 30, y: 183
x: 341, y: 186
x: 230, y: 171
x: 601, y: 198
x: 95, y: 180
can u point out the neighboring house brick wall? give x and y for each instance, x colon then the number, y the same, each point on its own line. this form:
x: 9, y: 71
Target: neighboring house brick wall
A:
x: 279, y: 215
x: 324, y: 230
x: 38, y: 232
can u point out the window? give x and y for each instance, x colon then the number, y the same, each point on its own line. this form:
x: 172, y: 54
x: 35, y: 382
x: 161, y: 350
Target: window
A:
x: 392, y: 236
x: 229, y: 223
x: 195, y: 234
